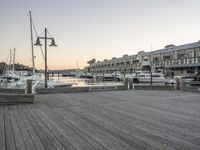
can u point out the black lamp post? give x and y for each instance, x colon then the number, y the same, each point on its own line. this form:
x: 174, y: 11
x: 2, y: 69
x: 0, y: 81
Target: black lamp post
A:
x: 45, y: 44
x: 151, y: 72
x: 151, y: 76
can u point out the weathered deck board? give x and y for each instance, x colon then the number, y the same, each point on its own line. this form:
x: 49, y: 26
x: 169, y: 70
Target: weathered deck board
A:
x: 19, y: 142
x: 54, y: 128
x: 10, y: 141
x: 114, y: 120
x: 32, y: 133
x: 72, y: 132
x: 2, y: 129
x: 37, y: 125
x: 92, y: 130
x: 24, y: 132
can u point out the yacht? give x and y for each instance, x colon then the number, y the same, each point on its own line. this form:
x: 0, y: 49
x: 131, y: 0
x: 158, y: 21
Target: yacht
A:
x: 146, y: 78
x: 99, y: 76
x: 117, y: 76
x: 89, y: 75
x: 11, y: 76
x: 108, y: 77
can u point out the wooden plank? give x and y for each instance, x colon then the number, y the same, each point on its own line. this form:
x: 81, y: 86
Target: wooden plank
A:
x: 130, y: 128
x: 118, y: 132
x: 24, y: 132
x: 44, y: 127
x: 16, y: 98
x: 10, y: 141
x: 46, y: 141
x: 188, y: 137
x: 19, y: 143
x: 32, y: 133
x: 112, y: 120
x: 70, y: 132
x: 2, y: 129
x: 12, y: 91
x: 95, y: 133
x: 54, y: 128
x: 189, y: 144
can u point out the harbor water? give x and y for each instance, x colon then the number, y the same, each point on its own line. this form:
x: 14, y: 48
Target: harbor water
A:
x: 82, y: 82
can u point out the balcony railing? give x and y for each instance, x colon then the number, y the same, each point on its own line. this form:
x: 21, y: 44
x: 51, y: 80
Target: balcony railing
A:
x: 192, y: 60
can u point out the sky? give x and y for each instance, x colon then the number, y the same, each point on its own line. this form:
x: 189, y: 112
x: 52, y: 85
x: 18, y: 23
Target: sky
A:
x: 100, y: 29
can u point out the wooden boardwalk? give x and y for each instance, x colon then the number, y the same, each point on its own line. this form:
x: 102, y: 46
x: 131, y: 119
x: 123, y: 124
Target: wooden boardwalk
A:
x: 115, y: 120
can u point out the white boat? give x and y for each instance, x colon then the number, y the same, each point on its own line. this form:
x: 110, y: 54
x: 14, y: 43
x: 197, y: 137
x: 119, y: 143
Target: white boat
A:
x: 135, y: 74
x: 10, y: 76
x: 183, y: 78
x: 14, y: 79
x: 89, y: 75
x: 53, y: 84
x: 108, y: 77
x: 130, y: 75
x: 99, y: 76
x: 146, y: 78
x: 117, y: 76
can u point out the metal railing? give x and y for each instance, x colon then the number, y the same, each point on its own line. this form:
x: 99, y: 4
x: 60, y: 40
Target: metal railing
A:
x: 191, y: 60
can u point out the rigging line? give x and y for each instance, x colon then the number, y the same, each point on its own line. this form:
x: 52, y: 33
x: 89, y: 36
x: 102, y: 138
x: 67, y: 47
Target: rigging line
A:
x: 34, y: 28
x: 49, y: 34
x: 21, y: 32
x: 5, y: 67
x: 41, y: 33
x: 37, y: 36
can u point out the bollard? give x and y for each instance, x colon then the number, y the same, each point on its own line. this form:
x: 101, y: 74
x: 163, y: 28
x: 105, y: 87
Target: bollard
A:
x: 178, y: 84
x: 29, y: 86
x: 126, y: 83
x: 130, y: 83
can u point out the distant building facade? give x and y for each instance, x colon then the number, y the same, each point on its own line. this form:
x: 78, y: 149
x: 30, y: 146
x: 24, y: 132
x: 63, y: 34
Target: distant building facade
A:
x: 183, y: 59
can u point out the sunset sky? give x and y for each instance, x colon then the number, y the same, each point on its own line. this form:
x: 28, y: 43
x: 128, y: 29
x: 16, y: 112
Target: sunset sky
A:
x: 101, y: 29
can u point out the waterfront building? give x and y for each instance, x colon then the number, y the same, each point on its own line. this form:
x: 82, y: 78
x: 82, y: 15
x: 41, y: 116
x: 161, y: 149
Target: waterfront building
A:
x: 173, y: 60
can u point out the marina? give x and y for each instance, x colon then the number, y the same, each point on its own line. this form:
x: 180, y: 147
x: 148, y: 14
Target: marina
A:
x: 100, y: 75
x: 114, y: 120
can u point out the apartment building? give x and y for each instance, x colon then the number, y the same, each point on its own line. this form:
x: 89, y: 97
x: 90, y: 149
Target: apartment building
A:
x: 176, y: 60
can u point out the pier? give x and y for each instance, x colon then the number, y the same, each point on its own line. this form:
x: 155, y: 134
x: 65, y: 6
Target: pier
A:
x: 109, y: 120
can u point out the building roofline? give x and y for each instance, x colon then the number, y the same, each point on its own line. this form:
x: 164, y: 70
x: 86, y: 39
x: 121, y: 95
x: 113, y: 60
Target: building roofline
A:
x: 164, y: 50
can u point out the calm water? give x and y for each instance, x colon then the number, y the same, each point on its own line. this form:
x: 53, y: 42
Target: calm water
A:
x: 84, y: 82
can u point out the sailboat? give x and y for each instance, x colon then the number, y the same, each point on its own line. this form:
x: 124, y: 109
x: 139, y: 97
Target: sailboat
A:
x: 8, y: 73
x: 37, y: 78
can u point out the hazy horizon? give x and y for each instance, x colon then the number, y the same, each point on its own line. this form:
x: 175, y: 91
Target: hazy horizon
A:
x: 96, y: 29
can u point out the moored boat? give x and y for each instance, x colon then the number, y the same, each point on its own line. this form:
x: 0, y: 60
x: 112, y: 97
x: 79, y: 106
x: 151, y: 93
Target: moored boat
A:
x: 146, y: 78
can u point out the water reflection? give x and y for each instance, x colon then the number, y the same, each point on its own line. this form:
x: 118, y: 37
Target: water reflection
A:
x: 77, y: 82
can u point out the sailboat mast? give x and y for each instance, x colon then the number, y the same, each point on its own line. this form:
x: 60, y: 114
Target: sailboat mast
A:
x: 10, y: 67
x: 13, y: 60
x: 76, y: 65
x: 33, y: 57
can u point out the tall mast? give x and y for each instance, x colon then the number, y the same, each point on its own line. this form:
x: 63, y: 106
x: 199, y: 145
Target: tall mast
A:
x: 10, y: 67
x: 13, y: 60
x: 33, y: 57
x: 77, y: 65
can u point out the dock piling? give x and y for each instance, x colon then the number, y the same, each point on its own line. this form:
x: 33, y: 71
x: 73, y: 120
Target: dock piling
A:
x: 130, y: 83
x: 126, y: 83
x: 29, y: 86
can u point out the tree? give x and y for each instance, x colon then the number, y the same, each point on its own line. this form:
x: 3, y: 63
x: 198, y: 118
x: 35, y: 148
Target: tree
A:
x: 3, y: 65
x: 18, y: 66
